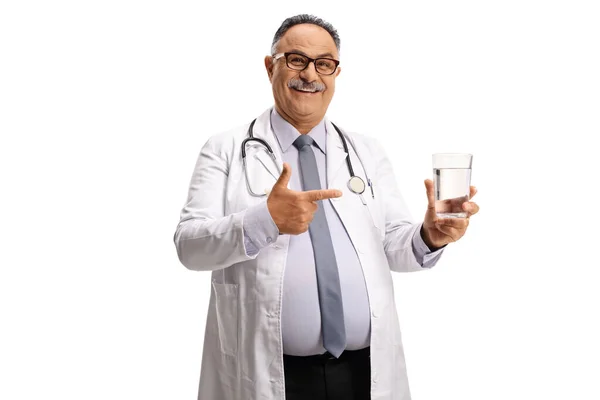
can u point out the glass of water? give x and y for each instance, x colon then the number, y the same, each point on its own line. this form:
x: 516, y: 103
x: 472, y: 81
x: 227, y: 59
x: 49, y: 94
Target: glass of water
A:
x: 451, y: 183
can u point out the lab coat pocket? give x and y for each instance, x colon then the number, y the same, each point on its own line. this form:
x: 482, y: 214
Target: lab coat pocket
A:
x: 374, y: 211
x: 227, y: 304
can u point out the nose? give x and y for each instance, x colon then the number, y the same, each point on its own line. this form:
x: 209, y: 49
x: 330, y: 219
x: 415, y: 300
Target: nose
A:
x: 309, y: 74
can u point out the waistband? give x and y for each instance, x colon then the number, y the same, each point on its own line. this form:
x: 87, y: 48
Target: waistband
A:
x: 328, y: 357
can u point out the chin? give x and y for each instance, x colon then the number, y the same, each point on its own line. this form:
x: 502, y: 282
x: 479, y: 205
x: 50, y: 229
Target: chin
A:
x: 307, y: 106
x: 307, y: 110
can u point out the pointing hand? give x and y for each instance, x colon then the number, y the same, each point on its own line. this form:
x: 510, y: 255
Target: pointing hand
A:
x: 292, y: 211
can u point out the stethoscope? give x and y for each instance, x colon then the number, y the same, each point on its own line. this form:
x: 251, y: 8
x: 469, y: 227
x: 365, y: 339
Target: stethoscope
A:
x: 356, y: 184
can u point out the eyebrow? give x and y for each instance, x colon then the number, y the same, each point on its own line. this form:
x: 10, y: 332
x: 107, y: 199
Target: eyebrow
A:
x: 304, y: 54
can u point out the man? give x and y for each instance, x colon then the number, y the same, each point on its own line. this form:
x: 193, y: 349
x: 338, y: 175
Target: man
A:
x: 301, y: 237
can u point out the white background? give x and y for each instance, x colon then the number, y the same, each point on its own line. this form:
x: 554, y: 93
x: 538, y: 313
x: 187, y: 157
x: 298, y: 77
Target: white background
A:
x: 105, y: 105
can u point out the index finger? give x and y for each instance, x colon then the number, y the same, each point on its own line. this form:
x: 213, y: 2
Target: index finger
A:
x: 429, y: 188
x: 322, y: 194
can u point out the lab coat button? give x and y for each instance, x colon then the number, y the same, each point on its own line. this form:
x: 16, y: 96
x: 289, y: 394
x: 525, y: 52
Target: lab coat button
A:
x: 269, y: 239
x: 375, y: 315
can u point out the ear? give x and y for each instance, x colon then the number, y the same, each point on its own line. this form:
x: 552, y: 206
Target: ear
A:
x: 337, y: 71
x: 269, y: 66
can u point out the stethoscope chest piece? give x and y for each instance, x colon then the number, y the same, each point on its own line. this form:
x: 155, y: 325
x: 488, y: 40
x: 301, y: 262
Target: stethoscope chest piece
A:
x: 356, y: 185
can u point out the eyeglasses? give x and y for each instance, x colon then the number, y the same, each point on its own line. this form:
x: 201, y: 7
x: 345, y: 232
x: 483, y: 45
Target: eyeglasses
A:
x: 299, y: 62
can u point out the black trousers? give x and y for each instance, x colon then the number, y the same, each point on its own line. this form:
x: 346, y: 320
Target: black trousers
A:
x: 323, y: 377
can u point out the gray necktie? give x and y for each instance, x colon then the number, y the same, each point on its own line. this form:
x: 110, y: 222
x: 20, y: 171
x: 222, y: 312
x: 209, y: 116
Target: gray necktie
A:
x: 328, y: 280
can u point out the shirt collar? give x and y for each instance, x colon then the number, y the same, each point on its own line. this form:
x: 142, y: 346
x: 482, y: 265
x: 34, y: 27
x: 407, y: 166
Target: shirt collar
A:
x: 286, y: 133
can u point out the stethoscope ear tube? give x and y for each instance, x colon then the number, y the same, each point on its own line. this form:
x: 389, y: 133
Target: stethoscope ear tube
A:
x: 252, y: 138
x: 350, y: 169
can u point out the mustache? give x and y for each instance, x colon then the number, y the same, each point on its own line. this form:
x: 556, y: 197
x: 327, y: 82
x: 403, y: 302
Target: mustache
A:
x: 308, y: 86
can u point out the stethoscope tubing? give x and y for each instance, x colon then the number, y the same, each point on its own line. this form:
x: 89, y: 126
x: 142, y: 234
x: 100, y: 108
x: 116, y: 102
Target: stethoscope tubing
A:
x: 272, y: 154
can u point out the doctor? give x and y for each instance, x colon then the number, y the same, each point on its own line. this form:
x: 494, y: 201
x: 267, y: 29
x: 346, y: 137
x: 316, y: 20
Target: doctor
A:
x: 301, y: 252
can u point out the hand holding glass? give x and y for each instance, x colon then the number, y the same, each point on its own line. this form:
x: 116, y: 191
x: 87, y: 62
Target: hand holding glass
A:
x: 451, y: 183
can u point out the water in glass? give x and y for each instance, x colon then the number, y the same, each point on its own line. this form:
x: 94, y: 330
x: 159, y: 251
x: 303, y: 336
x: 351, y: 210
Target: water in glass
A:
x: 451, y: 187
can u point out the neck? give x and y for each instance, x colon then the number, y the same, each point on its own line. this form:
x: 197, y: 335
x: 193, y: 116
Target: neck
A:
x: 302, y: 125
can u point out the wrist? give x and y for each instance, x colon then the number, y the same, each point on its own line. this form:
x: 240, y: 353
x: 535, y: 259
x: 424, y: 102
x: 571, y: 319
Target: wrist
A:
x: 432, y: 247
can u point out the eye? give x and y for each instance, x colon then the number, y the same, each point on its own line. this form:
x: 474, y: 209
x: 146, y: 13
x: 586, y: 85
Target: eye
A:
x: 297, y: 60
x: 324, y: 63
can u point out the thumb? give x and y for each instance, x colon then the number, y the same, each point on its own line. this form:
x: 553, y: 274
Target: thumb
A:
x: 430, y: 195
x: 284, y: 178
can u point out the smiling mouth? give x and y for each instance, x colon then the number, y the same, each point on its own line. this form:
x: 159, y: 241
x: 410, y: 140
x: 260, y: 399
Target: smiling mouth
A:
x: 306, y: 91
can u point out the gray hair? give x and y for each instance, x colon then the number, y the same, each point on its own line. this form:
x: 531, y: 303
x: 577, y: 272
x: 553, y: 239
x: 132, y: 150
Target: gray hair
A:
x: 304, y: 19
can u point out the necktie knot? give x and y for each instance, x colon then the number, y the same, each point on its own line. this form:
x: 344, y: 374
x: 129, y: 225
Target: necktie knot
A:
x: 303, y: 141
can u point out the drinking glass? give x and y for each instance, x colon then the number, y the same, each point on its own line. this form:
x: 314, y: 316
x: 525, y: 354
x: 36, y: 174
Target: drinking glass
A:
x: 451, y: 183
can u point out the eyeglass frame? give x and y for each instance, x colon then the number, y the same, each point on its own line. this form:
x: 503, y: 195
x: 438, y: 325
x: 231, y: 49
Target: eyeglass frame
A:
x: 310, y: 60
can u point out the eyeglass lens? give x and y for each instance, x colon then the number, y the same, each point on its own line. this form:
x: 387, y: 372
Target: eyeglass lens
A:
x: 299, y: 62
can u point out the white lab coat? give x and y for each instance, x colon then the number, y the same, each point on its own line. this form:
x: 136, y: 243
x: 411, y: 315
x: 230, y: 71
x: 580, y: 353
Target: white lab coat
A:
x: 242, y: 355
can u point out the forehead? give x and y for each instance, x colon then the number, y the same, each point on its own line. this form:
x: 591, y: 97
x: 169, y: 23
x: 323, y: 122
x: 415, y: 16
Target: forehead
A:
x: 311, y: 39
